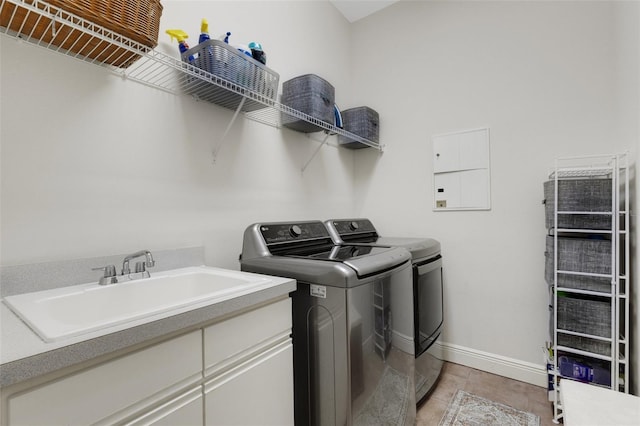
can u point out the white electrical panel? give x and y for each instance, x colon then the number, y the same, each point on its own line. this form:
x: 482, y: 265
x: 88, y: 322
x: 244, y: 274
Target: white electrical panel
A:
x: 461, y: 172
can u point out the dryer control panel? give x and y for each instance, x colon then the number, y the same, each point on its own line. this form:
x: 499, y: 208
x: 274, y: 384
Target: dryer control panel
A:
x: 353, y: 226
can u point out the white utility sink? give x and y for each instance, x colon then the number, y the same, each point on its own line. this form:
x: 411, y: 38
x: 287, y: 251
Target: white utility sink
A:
x: 76, y: 310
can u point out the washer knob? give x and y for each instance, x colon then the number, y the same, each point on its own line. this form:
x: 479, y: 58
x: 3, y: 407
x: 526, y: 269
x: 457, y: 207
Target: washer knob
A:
x: 295, y: 231
x: 354, y: 225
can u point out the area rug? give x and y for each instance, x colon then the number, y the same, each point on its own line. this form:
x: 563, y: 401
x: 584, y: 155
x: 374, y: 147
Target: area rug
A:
x: 388, y: 404
x: 466, y: 409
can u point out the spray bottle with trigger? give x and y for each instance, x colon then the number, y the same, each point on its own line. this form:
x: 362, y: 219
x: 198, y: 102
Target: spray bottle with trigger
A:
x: 181, y: 36
x: 206, y: 52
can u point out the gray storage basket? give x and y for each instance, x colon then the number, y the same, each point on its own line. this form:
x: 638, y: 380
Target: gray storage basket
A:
x: 585, y: 315
x: 579, y: 195
x: 309, y: 94
x: 585, y: 344
x: 580, y: 255
x: 234, y: 68
x: 361, y: 121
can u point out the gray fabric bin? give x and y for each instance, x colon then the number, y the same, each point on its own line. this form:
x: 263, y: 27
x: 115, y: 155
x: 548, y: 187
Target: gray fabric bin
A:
x: 583, y: 315
x: 580, y: 255
x: 362, y: 121
x: 579, y: 195
x: 311, y: 95
x: 585, y: 344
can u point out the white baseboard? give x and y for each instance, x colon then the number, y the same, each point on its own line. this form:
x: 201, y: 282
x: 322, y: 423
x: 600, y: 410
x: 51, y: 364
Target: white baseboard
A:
x: 536, y: 374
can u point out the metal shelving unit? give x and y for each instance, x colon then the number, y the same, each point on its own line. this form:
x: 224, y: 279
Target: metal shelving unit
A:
x: 144, y: 65
x: 584, y: 336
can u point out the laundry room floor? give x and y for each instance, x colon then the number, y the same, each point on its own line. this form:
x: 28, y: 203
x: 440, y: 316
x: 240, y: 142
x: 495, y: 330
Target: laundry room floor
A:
x: 514, y: 393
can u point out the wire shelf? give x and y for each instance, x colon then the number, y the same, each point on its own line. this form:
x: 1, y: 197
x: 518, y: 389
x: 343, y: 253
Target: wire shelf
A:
x: 89, y: 42
x: 595, y: 172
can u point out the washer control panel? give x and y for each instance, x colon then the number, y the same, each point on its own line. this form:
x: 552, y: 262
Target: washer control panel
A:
x: 276, y: 233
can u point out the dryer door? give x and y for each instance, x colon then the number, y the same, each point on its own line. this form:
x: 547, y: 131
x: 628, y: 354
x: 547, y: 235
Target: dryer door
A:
x: 428, y: 300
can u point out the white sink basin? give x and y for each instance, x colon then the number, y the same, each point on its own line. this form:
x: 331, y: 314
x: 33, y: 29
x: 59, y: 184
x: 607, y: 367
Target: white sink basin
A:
x: 76, y: 310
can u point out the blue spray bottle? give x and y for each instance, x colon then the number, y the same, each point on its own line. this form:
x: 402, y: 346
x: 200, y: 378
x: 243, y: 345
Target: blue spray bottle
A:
x: 181, y: 36
x: 204, y: 31
x: 206, y: 53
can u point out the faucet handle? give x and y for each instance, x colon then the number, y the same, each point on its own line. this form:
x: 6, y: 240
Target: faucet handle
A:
x: 109, y: 270
x: 109, y: 276
x: 141, y: 266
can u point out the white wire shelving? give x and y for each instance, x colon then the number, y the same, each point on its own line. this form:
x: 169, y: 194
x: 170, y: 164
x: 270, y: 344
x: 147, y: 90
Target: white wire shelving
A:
x: 41, y: 24
x: 613, y: 349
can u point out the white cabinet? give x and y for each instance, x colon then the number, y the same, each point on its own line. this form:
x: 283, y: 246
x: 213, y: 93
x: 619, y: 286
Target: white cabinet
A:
x: 240, y: 337
x: 461, y: 176
x: 257, y: 392
x: 185, y: 410
x: 113, y: 390
x: 242, y: 374
x: 461, y: 151
x: 249, y: 368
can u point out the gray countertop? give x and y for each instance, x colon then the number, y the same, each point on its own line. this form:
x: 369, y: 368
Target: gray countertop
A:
x: 24, y: 356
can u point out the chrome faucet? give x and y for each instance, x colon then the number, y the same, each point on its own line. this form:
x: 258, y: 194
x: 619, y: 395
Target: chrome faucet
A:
x: 140, y: 266
x: 110, y: 276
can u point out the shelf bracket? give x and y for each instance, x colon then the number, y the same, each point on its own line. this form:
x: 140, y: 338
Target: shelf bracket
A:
x: 54, y: 30
x: 324, y: 141
x: 226, y: 131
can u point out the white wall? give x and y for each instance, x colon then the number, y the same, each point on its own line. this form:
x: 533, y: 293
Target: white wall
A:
x: 93, y: 164
x: 546, y: 78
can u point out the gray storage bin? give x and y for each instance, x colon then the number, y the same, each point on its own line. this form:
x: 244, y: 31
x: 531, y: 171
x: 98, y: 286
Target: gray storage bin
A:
x: 580, y: 255
x: 579, y: 195
x: 228, y: 63
x: 584, y: 344
x: 311, y: 95
x: 362, y: 121
x: 583, y: 315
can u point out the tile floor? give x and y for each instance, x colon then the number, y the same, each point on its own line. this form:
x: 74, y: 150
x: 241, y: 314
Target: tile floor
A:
x: 520, y: 395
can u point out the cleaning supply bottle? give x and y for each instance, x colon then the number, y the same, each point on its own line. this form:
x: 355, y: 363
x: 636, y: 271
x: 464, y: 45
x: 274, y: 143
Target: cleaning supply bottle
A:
x: 181, y: 36
x: 204, y: 31
x: 206, y: 51
x: 257, y: 53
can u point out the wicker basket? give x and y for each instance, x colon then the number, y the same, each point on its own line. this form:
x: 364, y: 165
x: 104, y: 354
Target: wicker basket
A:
x: 138, y: 20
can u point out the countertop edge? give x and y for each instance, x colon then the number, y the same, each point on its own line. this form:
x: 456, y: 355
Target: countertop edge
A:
x: 49, y: 361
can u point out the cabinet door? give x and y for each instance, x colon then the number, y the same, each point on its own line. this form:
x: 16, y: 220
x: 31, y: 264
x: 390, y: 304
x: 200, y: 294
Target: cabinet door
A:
x: 236, y: 338
x: 124, y: 384
x: 185, y: 410
x: 257, y: 392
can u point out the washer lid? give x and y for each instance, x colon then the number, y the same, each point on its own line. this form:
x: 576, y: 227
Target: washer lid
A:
x: 365, y: 260
x: 305, y: 251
